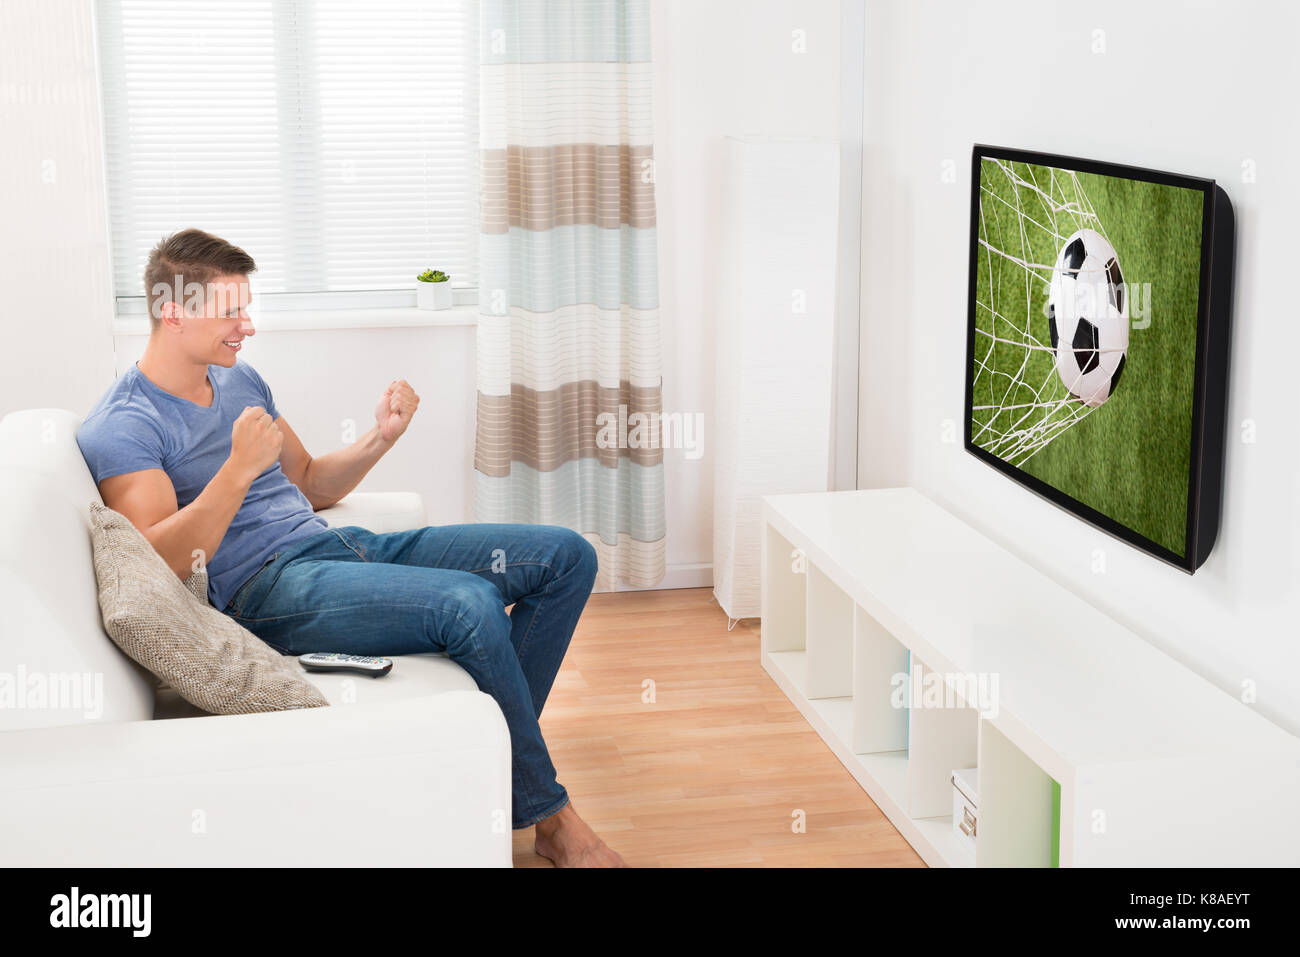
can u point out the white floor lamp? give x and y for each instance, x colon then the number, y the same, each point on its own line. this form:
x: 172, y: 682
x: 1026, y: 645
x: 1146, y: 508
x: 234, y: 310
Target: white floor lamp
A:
x: 775, y: 344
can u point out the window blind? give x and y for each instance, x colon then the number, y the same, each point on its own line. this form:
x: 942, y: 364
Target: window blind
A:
x: 335, y: 141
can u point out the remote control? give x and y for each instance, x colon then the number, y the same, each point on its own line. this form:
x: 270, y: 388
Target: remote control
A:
x: 320, y: 661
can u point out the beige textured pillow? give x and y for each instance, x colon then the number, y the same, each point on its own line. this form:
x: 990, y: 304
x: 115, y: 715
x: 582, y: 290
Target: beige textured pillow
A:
x: 160, y: 622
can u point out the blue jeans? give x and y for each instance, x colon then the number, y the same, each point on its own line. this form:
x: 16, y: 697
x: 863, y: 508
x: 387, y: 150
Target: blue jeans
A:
x: 440, y: 589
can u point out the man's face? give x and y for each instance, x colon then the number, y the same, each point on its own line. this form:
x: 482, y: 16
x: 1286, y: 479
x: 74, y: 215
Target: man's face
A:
x: 224, y: 325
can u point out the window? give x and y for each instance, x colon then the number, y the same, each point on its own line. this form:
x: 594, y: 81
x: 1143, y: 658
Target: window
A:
x: 335, y: 141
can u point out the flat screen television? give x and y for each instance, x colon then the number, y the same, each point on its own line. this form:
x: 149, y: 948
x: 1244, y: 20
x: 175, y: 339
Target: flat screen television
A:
x: 1097, y: 342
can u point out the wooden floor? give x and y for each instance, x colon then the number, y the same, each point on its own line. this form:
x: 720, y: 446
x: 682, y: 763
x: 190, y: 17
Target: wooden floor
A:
x: 712, y: 772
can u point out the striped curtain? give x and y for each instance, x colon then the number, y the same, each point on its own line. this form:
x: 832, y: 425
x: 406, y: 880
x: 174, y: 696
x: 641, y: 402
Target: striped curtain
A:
x: 569, y: 367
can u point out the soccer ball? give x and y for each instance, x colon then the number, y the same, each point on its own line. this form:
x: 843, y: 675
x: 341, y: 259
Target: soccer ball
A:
x: 1087, y: 317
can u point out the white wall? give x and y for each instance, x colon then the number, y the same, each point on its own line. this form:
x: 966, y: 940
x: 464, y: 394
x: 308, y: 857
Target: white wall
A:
x: 721, y: 67
x: 1197, y: 88
x: 54, y: 276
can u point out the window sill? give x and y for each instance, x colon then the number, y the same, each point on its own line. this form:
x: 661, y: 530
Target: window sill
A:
x: 305, y: 320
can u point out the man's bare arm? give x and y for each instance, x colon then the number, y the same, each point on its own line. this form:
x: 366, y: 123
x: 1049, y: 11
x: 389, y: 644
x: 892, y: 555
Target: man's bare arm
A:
x: 324, y: 481
x: 328, y: 478
x: 148, y: 499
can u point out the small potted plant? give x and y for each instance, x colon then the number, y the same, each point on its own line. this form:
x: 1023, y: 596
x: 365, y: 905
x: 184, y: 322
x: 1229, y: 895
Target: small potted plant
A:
x: 433, y: 290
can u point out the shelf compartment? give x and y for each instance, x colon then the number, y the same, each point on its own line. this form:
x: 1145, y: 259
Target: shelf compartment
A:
x: 837, y: 713
x: 784, y: 599
x: 885, y: 772
x: 938, y: 831
x: 829, y: 638
x: 1016, y: 827
x: 943, y: 735
x: 792, y: 666
x: 879, y: 659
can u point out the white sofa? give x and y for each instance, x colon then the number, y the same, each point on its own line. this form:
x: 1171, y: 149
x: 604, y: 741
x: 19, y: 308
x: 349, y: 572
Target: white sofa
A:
x: 410, y: 769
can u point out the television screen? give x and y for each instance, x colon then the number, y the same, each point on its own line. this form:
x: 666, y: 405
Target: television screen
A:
x: 1097, y: 342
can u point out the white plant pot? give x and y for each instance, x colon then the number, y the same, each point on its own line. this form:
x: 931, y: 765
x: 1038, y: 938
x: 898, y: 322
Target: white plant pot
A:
x: 433, y: 295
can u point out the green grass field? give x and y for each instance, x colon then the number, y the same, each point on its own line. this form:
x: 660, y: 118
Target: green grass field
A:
x: 1129, y: 457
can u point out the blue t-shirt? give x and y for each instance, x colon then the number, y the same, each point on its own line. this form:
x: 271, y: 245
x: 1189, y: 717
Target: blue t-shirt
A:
x: 136, y: 425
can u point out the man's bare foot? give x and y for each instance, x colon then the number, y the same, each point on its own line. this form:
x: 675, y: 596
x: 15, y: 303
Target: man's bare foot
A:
x: 567, y: 841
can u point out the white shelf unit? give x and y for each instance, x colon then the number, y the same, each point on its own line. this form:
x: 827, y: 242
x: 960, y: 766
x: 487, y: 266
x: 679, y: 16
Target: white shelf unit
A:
x: 1156, y: 766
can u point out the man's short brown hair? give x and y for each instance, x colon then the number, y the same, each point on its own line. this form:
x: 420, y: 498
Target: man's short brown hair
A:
x: 184, y: 259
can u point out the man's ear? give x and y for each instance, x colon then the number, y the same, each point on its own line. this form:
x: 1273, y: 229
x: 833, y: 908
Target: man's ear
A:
x: 169, y: 311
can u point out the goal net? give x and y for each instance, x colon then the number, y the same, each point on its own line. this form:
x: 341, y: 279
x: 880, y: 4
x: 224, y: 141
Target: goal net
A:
x: 1018, y: 402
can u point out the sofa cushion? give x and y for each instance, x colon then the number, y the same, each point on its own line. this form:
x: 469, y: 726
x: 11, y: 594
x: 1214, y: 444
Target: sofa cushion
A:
x: 413, y: 676
x: 210, y: 659
x: 377, y: 512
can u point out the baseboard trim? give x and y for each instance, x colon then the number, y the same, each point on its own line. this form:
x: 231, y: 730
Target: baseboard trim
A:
x: 696, y: 575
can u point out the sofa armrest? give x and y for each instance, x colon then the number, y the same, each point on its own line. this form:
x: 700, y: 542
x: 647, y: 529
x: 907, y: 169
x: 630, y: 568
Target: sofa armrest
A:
x: 378, y: 512
x: 429, y: 777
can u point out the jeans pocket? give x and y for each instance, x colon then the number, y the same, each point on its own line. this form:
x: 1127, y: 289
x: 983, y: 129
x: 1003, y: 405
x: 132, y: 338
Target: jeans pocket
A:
x: 343, y: 536
x: 236, y: 605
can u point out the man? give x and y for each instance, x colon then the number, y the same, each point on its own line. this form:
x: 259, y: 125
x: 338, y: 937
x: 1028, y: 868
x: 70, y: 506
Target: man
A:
x: 189, y: 446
